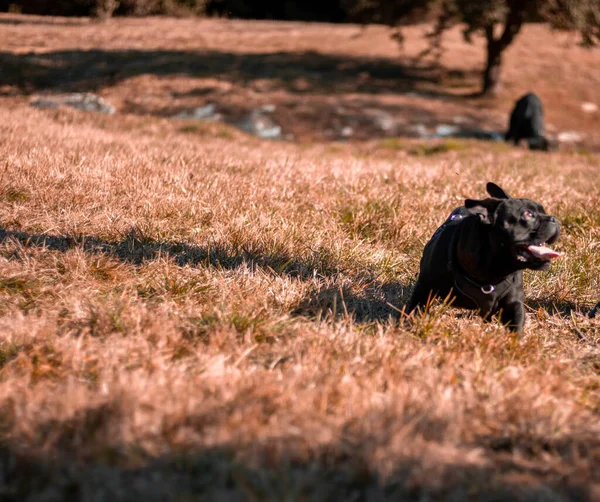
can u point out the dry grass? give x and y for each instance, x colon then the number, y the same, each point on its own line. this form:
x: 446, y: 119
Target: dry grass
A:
x: 211, y: 317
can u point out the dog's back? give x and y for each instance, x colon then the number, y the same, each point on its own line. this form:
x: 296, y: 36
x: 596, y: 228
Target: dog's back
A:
x: 527, y: 122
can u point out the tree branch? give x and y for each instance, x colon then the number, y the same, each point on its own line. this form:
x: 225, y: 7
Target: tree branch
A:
x: 514, y: 21
x: 489, y: 33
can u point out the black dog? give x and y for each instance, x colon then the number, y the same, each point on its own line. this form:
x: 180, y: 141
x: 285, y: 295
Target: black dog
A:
x: 478, y: 254
x: 527, y: 122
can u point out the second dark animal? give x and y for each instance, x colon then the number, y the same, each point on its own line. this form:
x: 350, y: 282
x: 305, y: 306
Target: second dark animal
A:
x: 477, y: 256
x: 527, y: 122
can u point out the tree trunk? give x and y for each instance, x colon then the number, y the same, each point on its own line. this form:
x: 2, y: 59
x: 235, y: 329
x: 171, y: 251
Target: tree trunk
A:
x: 491, y: 74
x: 495, y: 46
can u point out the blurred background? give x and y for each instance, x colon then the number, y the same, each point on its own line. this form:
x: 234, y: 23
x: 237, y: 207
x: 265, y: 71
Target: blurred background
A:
x: 329, y: 70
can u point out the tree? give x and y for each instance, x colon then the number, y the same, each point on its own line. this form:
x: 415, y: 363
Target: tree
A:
x: 499, y: 21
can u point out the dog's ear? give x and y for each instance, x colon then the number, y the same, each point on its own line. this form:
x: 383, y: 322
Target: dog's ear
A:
x: 485, y: 209
x: 495, y: 191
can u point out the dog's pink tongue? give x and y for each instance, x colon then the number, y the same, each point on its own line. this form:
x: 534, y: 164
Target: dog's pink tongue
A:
x: 543, y: 252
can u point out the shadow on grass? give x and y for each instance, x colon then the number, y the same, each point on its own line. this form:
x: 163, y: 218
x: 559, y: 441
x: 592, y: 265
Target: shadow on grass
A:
x: 84, y: 461
x: 336, y: 472
x: 136, y: 249
x: 553, y: 307
x: 376, y: 302
x: 18, y: 19
x: 296, y: 72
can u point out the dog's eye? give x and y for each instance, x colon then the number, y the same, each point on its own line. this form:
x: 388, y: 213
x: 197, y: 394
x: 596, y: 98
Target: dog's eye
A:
x: 528, y: 215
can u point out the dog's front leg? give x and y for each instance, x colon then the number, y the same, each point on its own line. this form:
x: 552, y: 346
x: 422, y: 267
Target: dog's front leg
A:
x: 512, y: 315
x: 419, y: 297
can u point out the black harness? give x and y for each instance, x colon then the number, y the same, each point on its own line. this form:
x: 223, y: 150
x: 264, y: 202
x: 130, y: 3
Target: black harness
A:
x: 484, y: 297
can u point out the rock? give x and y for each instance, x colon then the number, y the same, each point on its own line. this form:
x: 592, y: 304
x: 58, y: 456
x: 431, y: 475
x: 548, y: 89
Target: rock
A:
x: 445, y: 130
x: 489, y: 135
x: 569, y: 137
x: 458, y: 119
x: 260, y: 125
x: 268, y: 108
x: 44, y: 103
x: 383, y: 120
x: 589, y: 107
x: 85, y: 101
x: 207, y: 112
x: 421, y: 130
x: 347, y: 131
x: 483, y: 134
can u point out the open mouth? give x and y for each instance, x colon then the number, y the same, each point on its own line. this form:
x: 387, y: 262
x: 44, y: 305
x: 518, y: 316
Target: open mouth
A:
x: 536, y: 252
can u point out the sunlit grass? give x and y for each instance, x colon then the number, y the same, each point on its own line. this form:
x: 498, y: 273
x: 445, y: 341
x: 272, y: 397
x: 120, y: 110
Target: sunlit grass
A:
x: 190, y: 313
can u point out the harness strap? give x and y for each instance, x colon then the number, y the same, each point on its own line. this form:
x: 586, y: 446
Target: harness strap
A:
x: 484, y: 296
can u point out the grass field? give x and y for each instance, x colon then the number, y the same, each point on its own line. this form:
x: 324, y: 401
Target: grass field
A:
x: 190, y: 313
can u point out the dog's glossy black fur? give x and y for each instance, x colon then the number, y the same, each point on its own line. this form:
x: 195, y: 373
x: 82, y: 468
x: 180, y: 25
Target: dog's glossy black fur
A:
x: 527, y: 122
x: 477, y: 256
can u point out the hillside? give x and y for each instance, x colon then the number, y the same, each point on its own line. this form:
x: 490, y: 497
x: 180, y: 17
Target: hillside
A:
x: 189, y: 312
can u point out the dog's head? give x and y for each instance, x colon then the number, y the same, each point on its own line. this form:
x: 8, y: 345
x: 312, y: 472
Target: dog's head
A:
x: 521, y: 227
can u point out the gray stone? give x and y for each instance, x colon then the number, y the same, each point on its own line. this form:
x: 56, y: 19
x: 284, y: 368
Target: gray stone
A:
x: 421, y: 130
x: 85, y: 101
x: 589, y: 107
x: 569, y: 137
x: 268, y: 108
x: 492, y: 135
x: 260, y: 125
x: 383, y: 120
x: 45, y: 103
x: 445, y: 130
x: 207, y: 112
x: 485, y: 134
